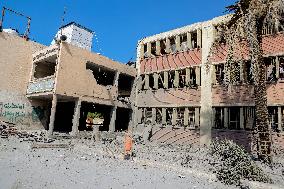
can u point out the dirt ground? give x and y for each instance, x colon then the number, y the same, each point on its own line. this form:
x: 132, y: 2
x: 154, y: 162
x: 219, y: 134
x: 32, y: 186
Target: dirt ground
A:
x: 91, y: 166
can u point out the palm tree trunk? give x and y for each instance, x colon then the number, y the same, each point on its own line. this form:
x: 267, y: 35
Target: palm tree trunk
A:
x: 262, y: 131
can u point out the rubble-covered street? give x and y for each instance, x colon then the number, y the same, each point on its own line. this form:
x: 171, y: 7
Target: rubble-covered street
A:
x: 88, y: 166
x: 80, y: 163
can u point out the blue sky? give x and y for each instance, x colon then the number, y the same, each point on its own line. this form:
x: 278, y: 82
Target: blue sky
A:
x: 119, y: 24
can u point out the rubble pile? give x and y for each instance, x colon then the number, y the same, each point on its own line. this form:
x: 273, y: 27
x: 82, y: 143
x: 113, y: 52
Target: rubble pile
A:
x: 8, y: 129
x: 232, y: 163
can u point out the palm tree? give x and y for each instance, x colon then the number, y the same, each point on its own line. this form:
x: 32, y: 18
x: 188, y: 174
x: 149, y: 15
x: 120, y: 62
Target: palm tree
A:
x: 245, y: 27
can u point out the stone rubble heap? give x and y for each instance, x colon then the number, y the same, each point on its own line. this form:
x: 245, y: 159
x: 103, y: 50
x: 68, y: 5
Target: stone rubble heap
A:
x: 8, y: 129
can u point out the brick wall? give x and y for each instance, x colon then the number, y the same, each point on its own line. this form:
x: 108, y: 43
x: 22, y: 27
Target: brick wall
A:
x: 244, y: 94
x: 244, y: 138
x: 168, y: 135
x: 161, y: 97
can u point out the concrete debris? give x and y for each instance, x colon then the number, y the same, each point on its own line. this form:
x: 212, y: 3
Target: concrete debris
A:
x: 8, y: 129
x: 44, y: 145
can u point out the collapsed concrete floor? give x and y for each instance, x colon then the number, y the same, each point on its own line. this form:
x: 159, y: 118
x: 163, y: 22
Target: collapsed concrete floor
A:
x: 80, y: 163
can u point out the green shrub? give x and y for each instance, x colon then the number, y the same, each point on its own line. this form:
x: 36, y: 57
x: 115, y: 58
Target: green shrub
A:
x: 231, y: 163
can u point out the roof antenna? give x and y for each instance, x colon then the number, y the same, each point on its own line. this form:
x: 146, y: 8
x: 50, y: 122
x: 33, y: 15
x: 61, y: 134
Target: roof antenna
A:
x: 63, y: 37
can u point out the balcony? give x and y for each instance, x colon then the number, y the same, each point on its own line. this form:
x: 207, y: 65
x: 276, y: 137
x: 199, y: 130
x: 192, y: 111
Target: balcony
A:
x: 41, y: 85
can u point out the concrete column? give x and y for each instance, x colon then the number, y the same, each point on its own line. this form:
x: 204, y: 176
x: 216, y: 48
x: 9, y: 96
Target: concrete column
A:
x: 168, y: 45
x: 280, y: 118
x: 214, y: 81
x: 164, y: 116
x: 206, y: 111
x: 154, y: 116
x: 112, y: 119
x: 141, y: 51
x: 213, y: 117
x: 187, y: 76
x: 277, y: 66
x: 197, y: 73
x: 147, y: 82
x: 226, y: 117
x: 158, y: 47
x: 116, y: 77
x: 242, y: 118
x: 166, y: 79
x: 140, y: 83
x: 76, y: 117
x: 189, y: 43
x: 144, y: 115
x: 136, y: 116
x: 186, y: 116
x: 52, y: 115
x: 242, y: 79
x: 177, y: 41
x: 199, y: 38
x: 176, y: 80
x: 174, y: 116
x: 149, y: 49
x: 197, y: 117
x: 156, y: 80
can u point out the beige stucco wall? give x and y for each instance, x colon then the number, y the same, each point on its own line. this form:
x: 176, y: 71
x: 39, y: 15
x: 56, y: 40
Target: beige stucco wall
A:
x: 15, y: 62
x: 15, y: 65
x: 73, y: 79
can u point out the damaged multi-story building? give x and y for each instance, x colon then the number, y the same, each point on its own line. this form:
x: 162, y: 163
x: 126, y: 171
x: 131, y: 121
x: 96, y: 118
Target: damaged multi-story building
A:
x: 181, y: 98
x: 175, y: 93
x: 56, y: 87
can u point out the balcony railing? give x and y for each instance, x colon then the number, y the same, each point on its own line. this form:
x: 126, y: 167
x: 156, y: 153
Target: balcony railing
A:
x: 41, y: 85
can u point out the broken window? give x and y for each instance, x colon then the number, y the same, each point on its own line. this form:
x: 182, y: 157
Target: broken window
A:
x: 273, y: 117
x: 282, y: 119
x: 220, y: 33
x: 125, y: 84
x: 234, y: 118
x: 268, y: 29
x: 124, y: 87
x: 248, y: 76
x: 159, y: 115
x: 172, y: 44
x: 234, y: 72
x: 148, y: 115
x: 169, y: 116
x: 270, y: 64
x: 180, y: 117
x: 219, y: 73
x: 163, y: 47
x: 194, y: 39
x: 182, y: 76
x: 219, y: 118
x: 191, y: 117
x: 153, y: 48
x: 171, y: 79
x: 141, y: 83
x: 102, y: 75
x: 281, y: 68
x: 151, y: 81
x: 161, y: 80
x: 45, y: 68
x: 193, y: 77
x: 249, y: 117
x: 145, y: 51
x: 183, y: 42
